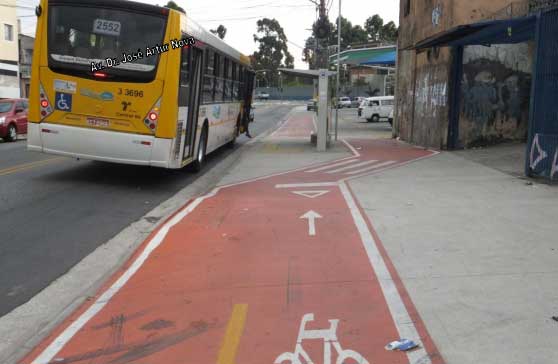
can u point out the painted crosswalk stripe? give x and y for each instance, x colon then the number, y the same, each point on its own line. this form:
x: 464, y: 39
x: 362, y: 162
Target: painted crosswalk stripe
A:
x: 361, y: 164
x: 370, y: 168
x: 323, y: 168
x: 311, y: 184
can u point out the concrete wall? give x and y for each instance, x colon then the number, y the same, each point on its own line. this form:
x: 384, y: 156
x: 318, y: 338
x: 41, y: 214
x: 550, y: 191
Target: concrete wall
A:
x: 423, y: 87
x: 495, y: 94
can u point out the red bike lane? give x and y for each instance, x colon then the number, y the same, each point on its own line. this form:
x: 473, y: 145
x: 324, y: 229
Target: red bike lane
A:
x: 281, y: 269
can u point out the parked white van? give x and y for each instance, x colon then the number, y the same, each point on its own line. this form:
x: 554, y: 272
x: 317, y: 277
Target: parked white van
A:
x: 376, y: 108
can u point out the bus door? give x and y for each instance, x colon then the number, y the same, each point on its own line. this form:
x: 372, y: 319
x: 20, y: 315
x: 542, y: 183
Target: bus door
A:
x: 189, y: 95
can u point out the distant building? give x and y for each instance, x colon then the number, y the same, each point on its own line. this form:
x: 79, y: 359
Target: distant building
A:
x: 25, y: 56
x: 9, y: 82
x: 367, y: 71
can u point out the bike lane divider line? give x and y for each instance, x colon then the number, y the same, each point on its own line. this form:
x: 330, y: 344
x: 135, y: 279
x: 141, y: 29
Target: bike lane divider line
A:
x: 229, y: 348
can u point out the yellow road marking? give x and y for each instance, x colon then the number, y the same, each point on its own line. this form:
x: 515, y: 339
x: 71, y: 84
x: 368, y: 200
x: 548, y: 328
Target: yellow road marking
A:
x: 23, y: 167
x: 227, y: 354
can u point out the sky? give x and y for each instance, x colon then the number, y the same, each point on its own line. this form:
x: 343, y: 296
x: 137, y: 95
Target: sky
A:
x: 240, y: 16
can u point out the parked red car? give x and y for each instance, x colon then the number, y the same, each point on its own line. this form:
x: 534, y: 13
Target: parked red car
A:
x: 13, y: 118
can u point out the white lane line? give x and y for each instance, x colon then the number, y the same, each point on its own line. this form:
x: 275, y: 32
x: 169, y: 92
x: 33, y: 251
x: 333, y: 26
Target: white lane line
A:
x: 50, y: 351
x: 298, y: 185
x: 332, y: 166
x: 371, y: 168
x: 355, y: 152
x: 399, y: 313
x: 352, y: 167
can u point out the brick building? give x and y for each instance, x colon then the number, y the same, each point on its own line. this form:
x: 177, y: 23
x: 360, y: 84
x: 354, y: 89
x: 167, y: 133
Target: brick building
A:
x: 493, y: 82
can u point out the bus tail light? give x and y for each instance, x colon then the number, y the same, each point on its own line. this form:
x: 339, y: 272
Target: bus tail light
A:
x: 44, y: 103
x: 152, y: 117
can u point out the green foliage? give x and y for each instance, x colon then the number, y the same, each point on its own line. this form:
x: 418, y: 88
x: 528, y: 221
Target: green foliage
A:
x: 273, y: 51
x: 378, y: 31
x: 309, y: 54
x: 220, y: 31
x: 390, y: 32
x: 173, y: 5
x: 374, y: 30
x: 349, y: 34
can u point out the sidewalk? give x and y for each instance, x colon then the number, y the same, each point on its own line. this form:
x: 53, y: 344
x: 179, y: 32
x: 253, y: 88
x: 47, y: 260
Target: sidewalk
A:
x: 372, y: 241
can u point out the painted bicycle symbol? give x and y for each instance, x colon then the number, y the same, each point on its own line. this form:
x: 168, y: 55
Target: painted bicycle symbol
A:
x: 329, y: 336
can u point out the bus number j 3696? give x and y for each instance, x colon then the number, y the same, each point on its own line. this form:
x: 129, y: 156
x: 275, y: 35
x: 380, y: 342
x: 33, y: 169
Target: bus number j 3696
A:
x: 130, y: 92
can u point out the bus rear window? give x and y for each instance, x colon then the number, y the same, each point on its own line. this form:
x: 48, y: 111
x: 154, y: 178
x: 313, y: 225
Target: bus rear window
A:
x: 79, y: 36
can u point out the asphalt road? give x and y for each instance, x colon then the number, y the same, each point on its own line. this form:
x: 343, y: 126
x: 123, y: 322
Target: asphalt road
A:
x: 54, y: 211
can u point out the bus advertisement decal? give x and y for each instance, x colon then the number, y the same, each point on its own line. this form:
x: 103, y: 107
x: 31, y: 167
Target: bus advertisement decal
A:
x: 65, y: 86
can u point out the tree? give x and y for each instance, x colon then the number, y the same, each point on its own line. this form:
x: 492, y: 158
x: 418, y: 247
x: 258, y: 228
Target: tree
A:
x: 220, y: 31
x: 373, y: 27
x: 273, y: 51
x: 349, y: 34
x: 377, y: 31
x: 173, y: 5
x: 390, y: 32
x: 309, y: 52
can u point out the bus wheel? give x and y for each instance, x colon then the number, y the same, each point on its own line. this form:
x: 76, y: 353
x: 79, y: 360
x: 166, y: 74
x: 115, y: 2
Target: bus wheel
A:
x: 202, y: 147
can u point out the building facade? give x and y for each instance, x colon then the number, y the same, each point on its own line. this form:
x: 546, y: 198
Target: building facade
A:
x: 25, y: 57
x: 493, y: 82
x: 9, y: 82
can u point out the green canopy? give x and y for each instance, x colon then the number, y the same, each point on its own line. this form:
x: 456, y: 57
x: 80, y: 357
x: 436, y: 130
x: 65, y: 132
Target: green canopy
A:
x: 363, y: 56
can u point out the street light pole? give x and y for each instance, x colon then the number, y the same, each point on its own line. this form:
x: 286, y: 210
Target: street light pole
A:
x: 338, y: 61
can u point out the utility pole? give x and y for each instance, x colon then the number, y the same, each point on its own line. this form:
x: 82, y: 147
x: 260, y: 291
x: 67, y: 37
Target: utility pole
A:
x: 321, y: 33
x: 337, y: 85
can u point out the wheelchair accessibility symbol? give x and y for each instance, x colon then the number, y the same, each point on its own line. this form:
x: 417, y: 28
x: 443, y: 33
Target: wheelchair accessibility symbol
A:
x: 329, y: 336
x: 63, y: 101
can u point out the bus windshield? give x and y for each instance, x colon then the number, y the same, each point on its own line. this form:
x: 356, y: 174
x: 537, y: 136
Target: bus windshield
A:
x: 78, y: 36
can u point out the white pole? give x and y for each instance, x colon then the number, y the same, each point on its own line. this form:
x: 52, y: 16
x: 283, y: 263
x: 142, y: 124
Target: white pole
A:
x: 338, y: 61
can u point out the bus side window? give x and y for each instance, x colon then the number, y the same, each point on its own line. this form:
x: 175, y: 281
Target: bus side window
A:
x: 218, y: 93
x: 184, y: 83
x: 226, y: 84
x: 208, y: 78
x: 234, y: 95
x: 241, y: 83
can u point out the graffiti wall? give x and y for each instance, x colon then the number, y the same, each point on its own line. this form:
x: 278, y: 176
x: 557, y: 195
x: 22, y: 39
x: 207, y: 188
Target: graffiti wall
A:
x: 431, y: 98
x: 495, y: 94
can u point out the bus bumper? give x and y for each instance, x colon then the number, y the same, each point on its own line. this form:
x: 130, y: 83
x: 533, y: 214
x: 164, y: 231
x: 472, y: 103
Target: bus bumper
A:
x: 101, y: 145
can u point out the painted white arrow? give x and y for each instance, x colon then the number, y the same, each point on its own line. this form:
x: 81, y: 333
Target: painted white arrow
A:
x: 311, y: 216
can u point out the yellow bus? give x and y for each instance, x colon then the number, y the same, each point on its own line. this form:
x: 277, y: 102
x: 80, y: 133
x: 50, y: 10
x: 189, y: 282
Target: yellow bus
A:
x: 126, y: 82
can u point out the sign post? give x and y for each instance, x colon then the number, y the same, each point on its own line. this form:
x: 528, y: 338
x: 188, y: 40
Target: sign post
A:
x: 322, y: 110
